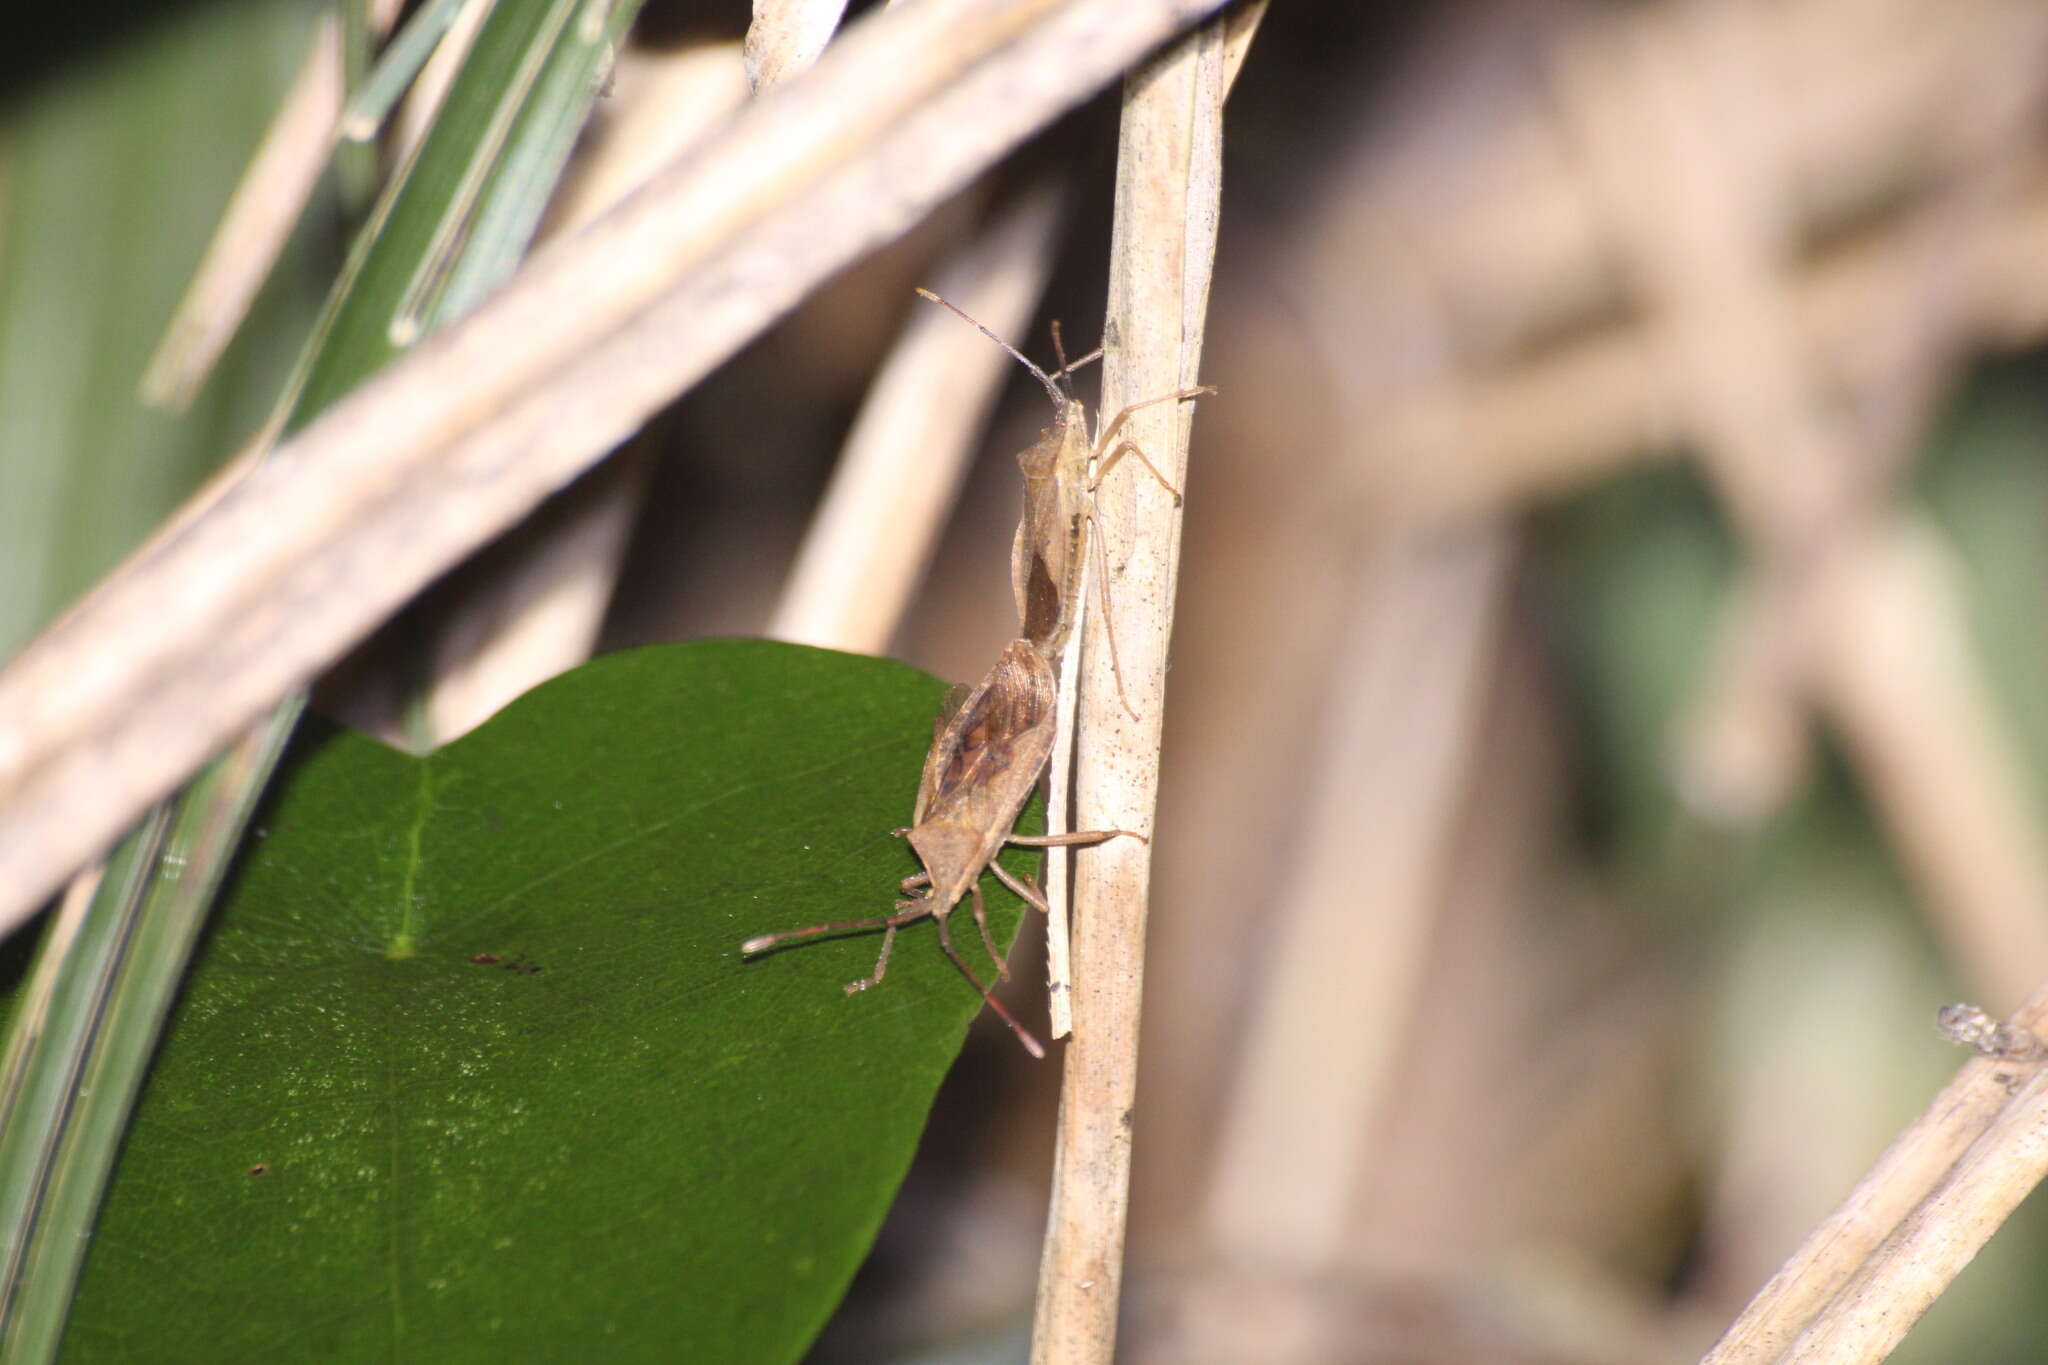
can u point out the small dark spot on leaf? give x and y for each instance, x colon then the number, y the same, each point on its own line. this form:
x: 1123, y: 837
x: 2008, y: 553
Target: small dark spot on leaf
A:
x: 486, y: 959
x: 259, y: 1169
x: 523, y: 965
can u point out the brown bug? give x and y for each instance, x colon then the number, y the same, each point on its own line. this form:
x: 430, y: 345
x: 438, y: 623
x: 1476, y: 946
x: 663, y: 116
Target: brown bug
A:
x: 1062, y: 469
x: 991, y: 745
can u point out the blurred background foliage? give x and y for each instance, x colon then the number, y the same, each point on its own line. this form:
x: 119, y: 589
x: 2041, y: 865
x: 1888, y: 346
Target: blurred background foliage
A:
x: 1610, y: 706
x: 120, y: 146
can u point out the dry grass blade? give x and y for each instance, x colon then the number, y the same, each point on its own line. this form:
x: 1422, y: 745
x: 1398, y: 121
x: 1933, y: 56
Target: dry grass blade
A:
x: 1163, y: 250
x: 1945, y: 1184
x: 1877, y: 1308
x: 447, y: 447
x: 787, y: 37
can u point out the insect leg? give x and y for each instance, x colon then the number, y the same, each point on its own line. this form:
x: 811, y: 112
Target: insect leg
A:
x: 904, y: 915
x: 1031, y: 1044
x: 987, y: 941
x: 1026, y: 888
x: 1116, y: 423
x: 1116, y: 666
x: 1131, y: 448
x: 881, y: 965
x: 1079, y: 836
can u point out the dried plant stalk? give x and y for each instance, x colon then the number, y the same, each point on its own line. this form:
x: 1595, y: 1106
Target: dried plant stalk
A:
x: 787, y: 37
x: 1877, y: 1308
x: 1163, y: 250
x: 1924, y: 1199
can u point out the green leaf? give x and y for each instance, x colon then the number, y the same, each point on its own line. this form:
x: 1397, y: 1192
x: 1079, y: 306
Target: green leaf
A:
x: 470, y: 1067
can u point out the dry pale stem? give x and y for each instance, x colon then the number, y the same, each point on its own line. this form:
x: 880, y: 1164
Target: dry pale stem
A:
x: 1168, y: 181
x: 1240, y: 26
x: 1895, y: 666
x: 787, y: 37
x: 1910, y: 1186
x: 1742, y: 743
x: 1874, y: 1311
x: 184, y: 647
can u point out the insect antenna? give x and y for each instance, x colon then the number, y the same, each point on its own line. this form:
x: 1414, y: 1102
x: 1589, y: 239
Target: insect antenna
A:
x: 762, y: 942
x: 1059, y: 399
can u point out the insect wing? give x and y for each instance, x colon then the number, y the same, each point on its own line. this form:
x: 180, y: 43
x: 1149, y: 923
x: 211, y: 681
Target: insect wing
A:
x: 1005, y: 720
x: 938, y: 757
x: 982, y: 769
x: 1045, y: 560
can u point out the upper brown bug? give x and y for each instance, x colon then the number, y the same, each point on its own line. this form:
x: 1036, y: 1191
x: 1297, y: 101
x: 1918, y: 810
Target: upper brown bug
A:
x: 1062, y: 469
